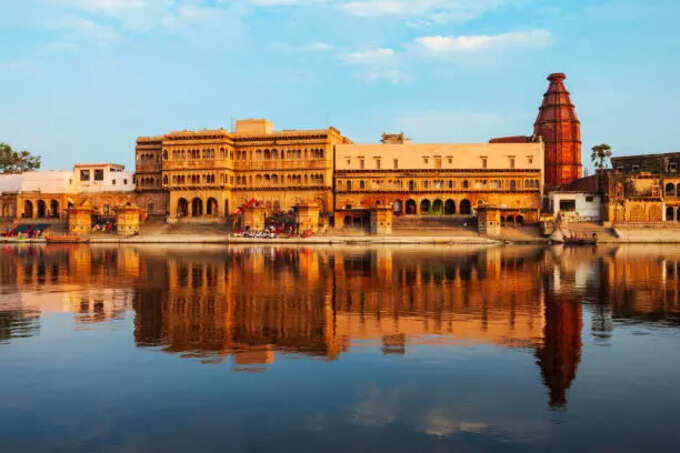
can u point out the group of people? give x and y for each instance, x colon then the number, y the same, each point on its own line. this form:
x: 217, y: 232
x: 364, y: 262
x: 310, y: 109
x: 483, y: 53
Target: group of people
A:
x: 103, y: 227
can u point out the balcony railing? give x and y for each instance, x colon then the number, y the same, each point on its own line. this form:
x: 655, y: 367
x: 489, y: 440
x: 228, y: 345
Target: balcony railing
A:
x: 282, y: 165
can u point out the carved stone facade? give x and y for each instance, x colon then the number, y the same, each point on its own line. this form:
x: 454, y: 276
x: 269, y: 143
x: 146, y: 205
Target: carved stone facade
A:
x: 210, y: 173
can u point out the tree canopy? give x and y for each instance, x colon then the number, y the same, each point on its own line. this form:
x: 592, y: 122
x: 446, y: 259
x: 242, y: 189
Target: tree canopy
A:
x: 17, y: 161
x: 600, y: 156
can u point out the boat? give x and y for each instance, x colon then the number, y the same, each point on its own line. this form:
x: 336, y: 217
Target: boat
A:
x: 66, y: 239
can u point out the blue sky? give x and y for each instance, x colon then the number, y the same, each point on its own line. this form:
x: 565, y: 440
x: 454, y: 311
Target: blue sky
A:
x: 81, y: 79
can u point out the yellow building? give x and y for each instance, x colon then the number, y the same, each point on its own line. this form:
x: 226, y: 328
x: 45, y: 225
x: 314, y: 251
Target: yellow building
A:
x: 437, y: 179
x: 210, y: 173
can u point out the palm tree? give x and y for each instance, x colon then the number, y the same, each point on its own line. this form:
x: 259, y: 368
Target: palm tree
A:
x: 600, y: 156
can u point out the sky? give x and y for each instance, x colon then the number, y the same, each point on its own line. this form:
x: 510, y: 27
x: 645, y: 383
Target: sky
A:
x: 81, y: 79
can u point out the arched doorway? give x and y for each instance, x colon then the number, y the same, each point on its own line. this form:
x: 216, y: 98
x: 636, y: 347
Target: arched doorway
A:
x: 226, y: 207
x: 196, y: 207
x: 411, y: 186
x: 28, y: 209
x: 519, y: 220
x: 449, y: 207
x: 670, y: 214
x: 411, y: 207
x: 182, y: 208
x: 42, y: 209
x: 396, y: 207
x: 347, y: 221
x: 54, y: 208
x: 211, y: 207
x: 465, y: 207
x: 425, y: 206
x: 437, y: 207
x: 510, y: 220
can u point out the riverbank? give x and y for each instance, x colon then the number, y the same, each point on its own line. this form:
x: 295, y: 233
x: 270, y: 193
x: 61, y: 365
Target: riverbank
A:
x: 636, y: 234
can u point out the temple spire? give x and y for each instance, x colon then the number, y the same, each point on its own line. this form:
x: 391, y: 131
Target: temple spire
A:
x: 560, y: 130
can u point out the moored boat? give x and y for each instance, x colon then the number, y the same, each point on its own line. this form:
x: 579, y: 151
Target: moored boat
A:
x: 66, y: 239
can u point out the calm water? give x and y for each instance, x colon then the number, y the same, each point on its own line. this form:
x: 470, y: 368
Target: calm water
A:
x: 339, y: 349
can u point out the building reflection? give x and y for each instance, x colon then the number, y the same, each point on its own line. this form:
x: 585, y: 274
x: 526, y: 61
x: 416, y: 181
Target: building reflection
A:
x: 246, y: 305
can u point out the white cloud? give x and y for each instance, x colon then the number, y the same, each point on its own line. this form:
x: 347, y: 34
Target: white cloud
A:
x: 286, y: 2
x: 377, y: 64
x: 78, y: 29
x: 309, y: 47
x: 441, y: 11
x: 374, y: 56
x: 467, y: 44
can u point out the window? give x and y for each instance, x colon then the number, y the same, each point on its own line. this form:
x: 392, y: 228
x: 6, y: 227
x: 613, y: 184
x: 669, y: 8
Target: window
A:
x: 450, y: 159
x: 450, y: 184
x: 113, y: 182
x: 396, y: 163
x: 484, y: 162
x: 636, y: 167
x: 348, y: 161
x: 426, y: 160
x: 512, y: 163
x: 362, y: 185
x: 437, y: 162
x: 377, y: 164
x: 125, y: 182
x: 530, y: 159
x: 99, y: 174
x: 84, y: 175
x: 589, y: 198
x: 361, y: 164
x: 673, y: 166
x: 466, y: 184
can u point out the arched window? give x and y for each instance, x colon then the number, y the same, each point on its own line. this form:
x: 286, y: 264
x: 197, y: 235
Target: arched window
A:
x: 670, y: 190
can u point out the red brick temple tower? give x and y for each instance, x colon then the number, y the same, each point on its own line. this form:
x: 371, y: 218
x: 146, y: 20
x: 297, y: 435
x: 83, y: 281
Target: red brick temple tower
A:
x: 560, y: 131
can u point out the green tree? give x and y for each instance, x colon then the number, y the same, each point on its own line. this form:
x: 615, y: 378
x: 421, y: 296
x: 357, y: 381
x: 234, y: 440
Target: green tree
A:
x: 17, y: 161
x: 600, y: 156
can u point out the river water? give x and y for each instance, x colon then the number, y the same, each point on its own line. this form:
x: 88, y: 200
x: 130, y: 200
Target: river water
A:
x: 418, y: 348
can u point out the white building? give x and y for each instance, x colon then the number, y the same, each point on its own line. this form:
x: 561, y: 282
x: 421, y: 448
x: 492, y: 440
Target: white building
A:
x: 84, y: 178
x: 88, y: 178
x: 582, y: 206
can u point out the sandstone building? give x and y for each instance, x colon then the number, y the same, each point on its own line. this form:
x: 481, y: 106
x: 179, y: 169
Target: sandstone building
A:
x: 210, y: 173
x: 437, y: 179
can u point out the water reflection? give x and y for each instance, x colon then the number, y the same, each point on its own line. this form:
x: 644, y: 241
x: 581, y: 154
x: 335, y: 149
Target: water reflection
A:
x: 249, y: 304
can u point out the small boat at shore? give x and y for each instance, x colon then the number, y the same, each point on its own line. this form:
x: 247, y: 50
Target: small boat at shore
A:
x: 66, y: 239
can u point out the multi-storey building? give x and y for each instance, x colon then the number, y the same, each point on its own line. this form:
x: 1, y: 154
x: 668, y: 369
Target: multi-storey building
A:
x: 438, y: 179
x: 211, y: 172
